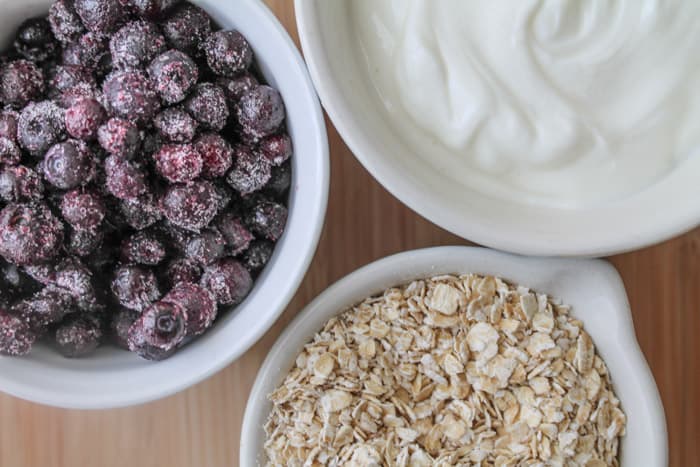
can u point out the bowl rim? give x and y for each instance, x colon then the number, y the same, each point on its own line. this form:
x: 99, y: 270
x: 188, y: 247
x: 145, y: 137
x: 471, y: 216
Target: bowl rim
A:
x: 412, y: 264
x: 298, y: 259
x: 468, y: 224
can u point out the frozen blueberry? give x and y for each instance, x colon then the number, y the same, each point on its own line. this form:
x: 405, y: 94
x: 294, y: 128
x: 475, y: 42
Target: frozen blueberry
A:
x: 234, y: 88
x: 77, y: 93
x: 40, y: 126
x: 217, y: 155
x: 186, y: 27
x: 82, y: 242
x: 135, y: 287
x: 91, y: 50
x: 260, y: 112
x: 281, y: 180
x: 68, y: 165
x: 29, y: 233
x: 268, y: 219
x: 68, y: 76
x: 65, y: 22
x: 83, y: 209
x: 143, y: 248
x: 35, y: 41
x: 141, y: 212
x: 128, y: 94
x: 198, y: 303
x: 16, y: 337
x: 152, y: 9
x: 174, y: 74
x: 178, y: 163
x: 182, y: 270
x: 48, y: 306
x: 276, y: 148
x: 20, y: 183
x: 206, y: 247
x: 228, y: 280
x: 74, y: 277
x: 191, y: 206
x: 258, y: 255
x: 162, y: 327
x: 228, y: 53
x: 78, y: 335
x: 236, y: 235
x: 101, y: 16
x: 119, y: 326
x: 175, y: 125
x: 84, y: 118
x: 17, y: 281
x: 124, y: 179
x: 21, y: 81
x: 136, y: 44
x: 119, y: 137
x: 250, y: 172
x: 8, y: 125
x: 207, y: 104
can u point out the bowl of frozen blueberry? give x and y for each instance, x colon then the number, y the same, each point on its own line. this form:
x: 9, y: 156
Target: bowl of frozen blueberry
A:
x: 163, y: 185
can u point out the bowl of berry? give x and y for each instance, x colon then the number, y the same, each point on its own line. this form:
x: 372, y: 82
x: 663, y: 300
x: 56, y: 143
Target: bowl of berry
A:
x: 163, y: 185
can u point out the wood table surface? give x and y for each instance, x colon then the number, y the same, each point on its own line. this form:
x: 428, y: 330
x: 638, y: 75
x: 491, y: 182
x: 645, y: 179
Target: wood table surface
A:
x: 201, y: 426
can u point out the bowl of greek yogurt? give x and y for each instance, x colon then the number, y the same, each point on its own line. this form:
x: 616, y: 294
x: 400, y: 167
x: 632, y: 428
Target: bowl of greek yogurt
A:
x: 547, y: 128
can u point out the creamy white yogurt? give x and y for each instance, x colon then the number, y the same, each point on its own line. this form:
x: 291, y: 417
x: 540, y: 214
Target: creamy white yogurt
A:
x: 557, y: 102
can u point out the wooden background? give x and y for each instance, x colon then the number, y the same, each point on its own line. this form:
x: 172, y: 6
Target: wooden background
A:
x: 200, y: 426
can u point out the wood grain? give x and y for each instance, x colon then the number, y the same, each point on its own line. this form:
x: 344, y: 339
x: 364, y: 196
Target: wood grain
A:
x: 200, y: 426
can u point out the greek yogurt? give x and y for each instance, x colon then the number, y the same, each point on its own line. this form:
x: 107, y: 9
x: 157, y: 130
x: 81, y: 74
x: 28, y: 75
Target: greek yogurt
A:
x: 563, y: 103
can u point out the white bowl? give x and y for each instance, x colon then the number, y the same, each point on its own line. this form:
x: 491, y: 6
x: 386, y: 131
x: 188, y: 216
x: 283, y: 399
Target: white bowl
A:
x: 113, y: 377
x: 592, y: 287
x: 667, y: 208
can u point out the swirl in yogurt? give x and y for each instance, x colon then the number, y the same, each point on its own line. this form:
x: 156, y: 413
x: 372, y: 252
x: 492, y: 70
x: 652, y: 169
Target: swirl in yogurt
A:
x: 556, y: 102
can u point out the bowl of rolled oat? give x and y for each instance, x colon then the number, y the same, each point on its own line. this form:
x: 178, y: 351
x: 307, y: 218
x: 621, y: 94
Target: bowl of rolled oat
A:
x: 459, y: 356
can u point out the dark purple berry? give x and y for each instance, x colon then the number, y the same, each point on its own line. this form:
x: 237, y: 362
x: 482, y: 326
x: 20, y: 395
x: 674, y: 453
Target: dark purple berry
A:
x: 207, y: 104
x: 186, y: 27
x: 175, y: 125
x: 42, y: 273
x: 101, y: 16
x: 136, y: 44
x: 162, y: 326
x: 178, y: 163
x: 124, y: 179
x: 234, y: 88
x: 191, y: 206
x: 20, y: 183
x: 182, y: 270
x: 198, y: 303
x: 74, y: 277
x: 83, y: 209
x: 84, y: 118
x: 120, y: 324
x: 83, y: 243
x: 135, y: 287
x: 8, y: 125
x: 21, y: 81
x: 78, y: 335
x: 268, y: 219
x: 141, y: 212
x: 217, y: 155
x: 143, y: 248
x: 40, y: 126
x: 16, y: 337
x: 174, y: 74
x: 236, y: 235
x: 276, y: 148
x: 128, y: 94
x: 29, y: 234
x: 35, y: 41
x: 48, y: 306
x: 206, y: 247
x: 281, y: 180
x: 69, y: 76
x: 119, y: 137
x: 260, y: 112
x: 258, y: 255
x: 91, y: 50
x: 68, y: 165
x: 77, y: 93
x: 228, y: 53
x: 228, y: 280
x: 65, y: 22
x: 250, y: 172
x: 152, y: 9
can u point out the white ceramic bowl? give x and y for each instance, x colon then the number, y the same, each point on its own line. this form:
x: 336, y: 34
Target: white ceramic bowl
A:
x: 592, y: 287
x: 114, y: 377
x: 668, y: 208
